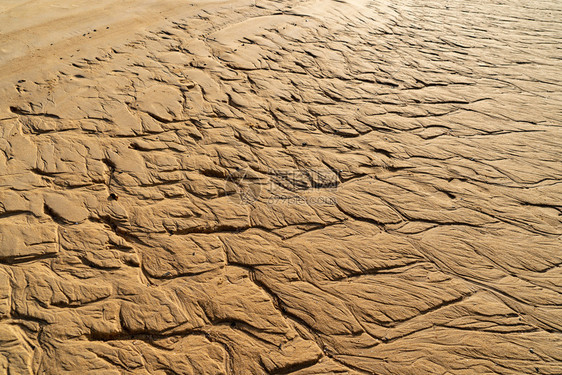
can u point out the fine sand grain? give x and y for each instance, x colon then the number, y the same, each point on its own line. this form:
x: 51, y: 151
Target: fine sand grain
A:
x: 280, y: 187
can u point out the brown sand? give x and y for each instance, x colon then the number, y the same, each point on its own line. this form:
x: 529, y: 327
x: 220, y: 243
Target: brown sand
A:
x: 138, y: 234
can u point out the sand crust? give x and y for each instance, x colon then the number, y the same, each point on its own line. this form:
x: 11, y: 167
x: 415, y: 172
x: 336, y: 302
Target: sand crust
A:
x: 290, y: 187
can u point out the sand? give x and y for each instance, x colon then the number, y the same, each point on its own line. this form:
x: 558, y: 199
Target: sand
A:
x: 280, y: 187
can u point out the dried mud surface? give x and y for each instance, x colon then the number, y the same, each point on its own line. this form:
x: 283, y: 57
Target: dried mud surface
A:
x: 137, y: 230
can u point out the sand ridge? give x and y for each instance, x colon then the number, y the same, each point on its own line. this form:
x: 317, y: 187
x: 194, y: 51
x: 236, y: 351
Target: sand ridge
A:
x: 320, y: 187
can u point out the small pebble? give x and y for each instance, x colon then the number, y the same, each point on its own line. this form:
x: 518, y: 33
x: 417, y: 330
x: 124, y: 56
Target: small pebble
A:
x: 531, y: 350
x: 113, y: 196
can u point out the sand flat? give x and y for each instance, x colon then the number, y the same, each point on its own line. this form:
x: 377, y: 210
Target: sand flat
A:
x: 280, y: 187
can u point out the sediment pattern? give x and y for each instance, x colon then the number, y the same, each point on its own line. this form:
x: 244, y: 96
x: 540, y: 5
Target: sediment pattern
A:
x: 138, y: 234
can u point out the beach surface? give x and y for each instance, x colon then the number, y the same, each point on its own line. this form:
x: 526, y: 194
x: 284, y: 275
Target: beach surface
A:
x: 280, y: 187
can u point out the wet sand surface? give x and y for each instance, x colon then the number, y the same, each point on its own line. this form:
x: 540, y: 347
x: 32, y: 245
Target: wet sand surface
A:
x: 280, y: 187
